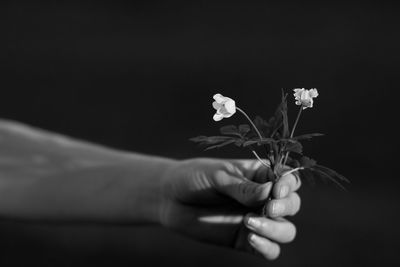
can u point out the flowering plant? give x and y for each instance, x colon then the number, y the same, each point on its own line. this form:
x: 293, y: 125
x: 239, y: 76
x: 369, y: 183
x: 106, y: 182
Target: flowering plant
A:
x: 282, y: 150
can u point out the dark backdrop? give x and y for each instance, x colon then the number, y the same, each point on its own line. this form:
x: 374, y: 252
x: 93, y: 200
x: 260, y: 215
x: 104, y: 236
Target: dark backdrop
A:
x: 140, y: 76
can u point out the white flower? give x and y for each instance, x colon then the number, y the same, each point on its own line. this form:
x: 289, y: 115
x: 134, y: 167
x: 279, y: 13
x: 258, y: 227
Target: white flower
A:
x: 225, y: 107
x: 305, y: 97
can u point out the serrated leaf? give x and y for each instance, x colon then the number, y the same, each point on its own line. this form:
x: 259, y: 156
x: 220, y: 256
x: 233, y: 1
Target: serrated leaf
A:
x: 307, y: 162
x: 244, y: 129
x: 210, y: 140
x: 230, y: 130
x: 239, y: 142
x: 287, y: 140
x: 198, y: 138
x: 285, y: 119
x: 262, y: 125
x: 308, y: 175
x: 249, y: 143
x: 293, y: 147
x: 331, y: 173
x: 217, y: 139
x: 328, y: 177
x: 263, y: 141
x: 228, y: 142
x: 279, y: 120
x: 307, y: 136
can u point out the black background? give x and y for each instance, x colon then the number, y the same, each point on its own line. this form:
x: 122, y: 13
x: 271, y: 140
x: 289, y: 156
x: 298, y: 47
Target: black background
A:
x: 140, y: 76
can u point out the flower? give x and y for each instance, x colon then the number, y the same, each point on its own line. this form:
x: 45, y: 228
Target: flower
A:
x: 305, y: 97
x: 225, y: 107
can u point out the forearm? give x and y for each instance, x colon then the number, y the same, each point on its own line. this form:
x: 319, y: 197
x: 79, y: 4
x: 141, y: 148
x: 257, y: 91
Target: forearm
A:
x: 68, y: 180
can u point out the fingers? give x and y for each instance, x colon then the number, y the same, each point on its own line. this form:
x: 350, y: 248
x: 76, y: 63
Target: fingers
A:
x: 265, y: 247
x: 253, y: 169
x: 281, y: 231
x: 244, y: 191
x: 285, y: 185
x: 284, y: 207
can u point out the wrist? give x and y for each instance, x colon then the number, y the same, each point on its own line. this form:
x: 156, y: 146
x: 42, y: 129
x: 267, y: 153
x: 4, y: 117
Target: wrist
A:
x: 144, y: 193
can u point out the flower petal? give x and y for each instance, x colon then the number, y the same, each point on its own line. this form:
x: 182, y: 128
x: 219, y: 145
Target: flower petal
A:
x: 304, y: 95
x: 230, y: 106
x: 298, y: 92
x: 219, y: 98
x: 218, y: 116
x: 216, y: 105
x: 313, y: 93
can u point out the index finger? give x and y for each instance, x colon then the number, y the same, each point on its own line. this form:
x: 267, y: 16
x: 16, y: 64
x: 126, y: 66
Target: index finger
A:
x: 286, y: 184
x: 254, y: 170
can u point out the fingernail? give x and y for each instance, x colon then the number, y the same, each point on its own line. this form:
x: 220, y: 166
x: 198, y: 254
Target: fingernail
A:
x: 252, y: 238
x: 253, y: 222
x: 284, y: 190
x: 278, y: 208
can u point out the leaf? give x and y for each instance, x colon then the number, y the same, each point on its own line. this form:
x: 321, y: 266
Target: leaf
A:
x: 239, y: 142
x: 228, y: 142
x: 262, y: 125
x: 263, y: 141
x: 278, y: 120
x: 331, y: 173
x: 200, y: 138
x: 249, y: 143
x: 313, y: 170
x: 244, y: 129
x: 307, y: 162
x: 294, y: 147
x: 230, y: 130
x: 285, y: 120
x: 307, y: 136
x: 210, y: 139
x: 308, y: 175
x: 287, y: 140
x: 328, y: 177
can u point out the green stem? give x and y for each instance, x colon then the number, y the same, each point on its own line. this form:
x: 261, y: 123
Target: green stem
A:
x: 258, y: 133
x: 252, y: 124
x: 292, y: 133
x: 297, y: 120
x: 260, y: 159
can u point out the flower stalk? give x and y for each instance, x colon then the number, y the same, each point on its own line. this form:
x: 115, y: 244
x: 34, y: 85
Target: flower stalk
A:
x: 274, y: 135
x: 295, y: 123
x: 251, y: 122
x: 258, y: 133
x: 292, y: 132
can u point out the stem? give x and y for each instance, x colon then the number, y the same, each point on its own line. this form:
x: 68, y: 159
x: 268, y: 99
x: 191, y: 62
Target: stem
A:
x: 292, y: 133
x: 291, y: 171
x: 258, y: 133
x: 260, y: 159
x: 252, y: 124
x: 297, y: 120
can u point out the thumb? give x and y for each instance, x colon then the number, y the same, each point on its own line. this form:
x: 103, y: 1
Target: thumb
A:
x: 242, y: 189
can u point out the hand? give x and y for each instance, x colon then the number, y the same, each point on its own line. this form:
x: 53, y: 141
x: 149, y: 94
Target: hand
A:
x: 210, y: 200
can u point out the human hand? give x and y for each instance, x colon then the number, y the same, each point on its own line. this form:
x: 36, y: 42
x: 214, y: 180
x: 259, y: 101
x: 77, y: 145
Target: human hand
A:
x: 210, y: 200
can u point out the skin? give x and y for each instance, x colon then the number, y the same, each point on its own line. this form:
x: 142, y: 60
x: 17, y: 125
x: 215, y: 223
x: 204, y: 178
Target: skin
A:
x: 215, y: 201
x: 49, y: 177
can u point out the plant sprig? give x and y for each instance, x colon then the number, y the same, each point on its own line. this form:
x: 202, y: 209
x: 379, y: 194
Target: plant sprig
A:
x: 272, y: 137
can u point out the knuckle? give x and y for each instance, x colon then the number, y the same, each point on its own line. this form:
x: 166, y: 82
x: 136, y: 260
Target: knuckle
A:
x: 265, y: 227
x: 270, y: 208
